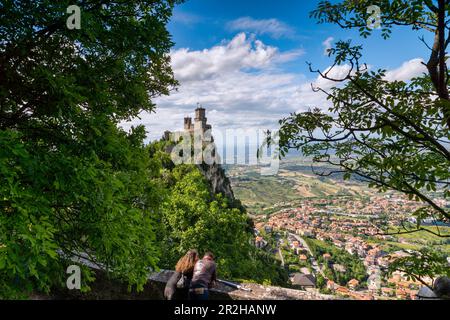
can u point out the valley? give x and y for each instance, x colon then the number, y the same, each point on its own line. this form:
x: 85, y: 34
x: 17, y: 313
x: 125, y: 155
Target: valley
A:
x: 343, y: 233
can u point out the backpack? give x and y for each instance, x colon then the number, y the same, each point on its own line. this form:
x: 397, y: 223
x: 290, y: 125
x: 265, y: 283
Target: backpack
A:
x: 184, y: 282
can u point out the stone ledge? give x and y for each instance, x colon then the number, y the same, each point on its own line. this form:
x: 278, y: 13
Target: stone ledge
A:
x: 107, y: 289
x: 258, y: 292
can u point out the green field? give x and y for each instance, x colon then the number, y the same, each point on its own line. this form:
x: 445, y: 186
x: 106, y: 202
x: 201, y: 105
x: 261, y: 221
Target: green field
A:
x: 264, y: 192
x: 416, y: 241
x: 294, y: 181
x: 425, y: 236
x: 420, y: 239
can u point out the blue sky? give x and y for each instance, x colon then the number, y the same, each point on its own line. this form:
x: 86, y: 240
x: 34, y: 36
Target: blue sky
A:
x: 200, y: 24
x: 245, y: 61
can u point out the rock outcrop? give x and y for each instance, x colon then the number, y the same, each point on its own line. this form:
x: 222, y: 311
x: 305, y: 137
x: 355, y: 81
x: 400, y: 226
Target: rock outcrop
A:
x: 200, y: 133
x: 218, y: 180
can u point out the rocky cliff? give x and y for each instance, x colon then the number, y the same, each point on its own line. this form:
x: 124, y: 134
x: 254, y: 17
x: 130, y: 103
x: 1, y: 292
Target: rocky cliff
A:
x: 214, y: 173
x: 218, y: 180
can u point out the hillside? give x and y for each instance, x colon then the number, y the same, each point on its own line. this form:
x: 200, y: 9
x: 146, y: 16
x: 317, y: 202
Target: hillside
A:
x: 295, y: 181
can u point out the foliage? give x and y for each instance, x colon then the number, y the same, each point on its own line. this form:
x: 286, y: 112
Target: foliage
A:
x: 422, y: 265
x: 72, y: 182
x: 354, y: 268
x: 321, y: 283
x: 195, y: 218
x: 394, y: 135
x: 74, y: 205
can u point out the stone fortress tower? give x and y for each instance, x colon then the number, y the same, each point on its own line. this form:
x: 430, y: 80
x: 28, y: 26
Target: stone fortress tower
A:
x: 199, y: 127
x: 200, y: 122
x: 214, y: 172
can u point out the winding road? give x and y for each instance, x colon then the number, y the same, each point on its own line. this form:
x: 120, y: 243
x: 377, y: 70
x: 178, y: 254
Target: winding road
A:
x: 314, y: 263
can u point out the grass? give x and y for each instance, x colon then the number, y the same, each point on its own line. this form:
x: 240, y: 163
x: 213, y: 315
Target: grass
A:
x: 421, y: 239
x: 293, y: 182
x: 416, y: 241
x: 423, y: 235
x: 264, y: 192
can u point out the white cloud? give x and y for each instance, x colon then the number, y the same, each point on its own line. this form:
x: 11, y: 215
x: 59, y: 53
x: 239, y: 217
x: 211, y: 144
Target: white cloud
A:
x: 287, y: 56
x: 272, y: 27
x: 327, y: 45
x: 239, y: 77
x: 186, y: 18
x: 239, y: 53
x: 337, y: 73
x: 241, y: 83
x: 407, y: 71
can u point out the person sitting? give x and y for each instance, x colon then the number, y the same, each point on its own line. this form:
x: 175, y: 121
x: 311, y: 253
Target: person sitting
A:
x: 204, y: 278
x: 177, y: 288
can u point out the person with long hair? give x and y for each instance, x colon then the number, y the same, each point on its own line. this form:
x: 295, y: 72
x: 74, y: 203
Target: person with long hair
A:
x: 177, y: 288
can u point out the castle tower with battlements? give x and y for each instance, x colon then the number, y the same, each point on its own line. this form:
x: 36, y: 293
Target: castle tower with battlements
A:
x: 200, y: 122
x: 199, y: 126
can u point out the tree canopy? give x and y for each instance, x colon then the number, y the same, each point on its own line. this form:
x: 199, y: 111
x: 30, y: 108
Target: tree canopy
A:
x: 74, y: 184
x: 193, y: 217
x: 72, y: 181
x: 395, y: 135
